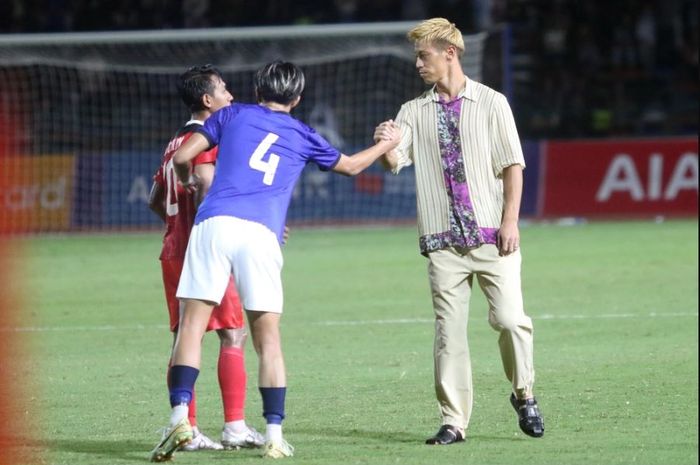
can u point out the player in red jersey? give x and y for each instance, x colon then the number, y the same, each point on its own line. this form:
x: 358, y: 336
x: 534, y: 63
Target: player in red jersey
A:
x: 203, y: 90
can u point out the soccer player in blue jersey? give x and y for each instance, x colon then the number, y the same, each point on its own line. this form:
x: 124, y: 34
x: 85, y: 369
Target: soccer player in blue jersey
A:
x: 238, y: 230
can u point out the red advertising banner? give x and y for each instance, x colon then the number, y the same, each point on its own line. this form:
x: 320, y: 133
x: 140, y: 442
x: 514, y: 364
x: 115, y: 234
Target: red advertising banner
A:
x: 620, y: 178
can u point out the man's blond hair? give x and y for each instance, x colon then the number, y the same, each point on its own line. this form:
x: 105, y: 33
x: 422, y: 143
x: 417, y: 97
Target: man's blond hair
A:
x: 437, y: 31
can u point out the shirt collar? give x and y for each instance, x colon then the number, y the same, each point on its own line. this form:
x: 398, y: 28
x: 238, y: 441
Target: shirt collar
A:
x: 468, y: 92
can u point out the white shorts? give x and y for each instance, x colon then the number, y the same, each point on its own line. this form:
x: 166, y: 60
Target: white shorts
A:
x: 224, y: 245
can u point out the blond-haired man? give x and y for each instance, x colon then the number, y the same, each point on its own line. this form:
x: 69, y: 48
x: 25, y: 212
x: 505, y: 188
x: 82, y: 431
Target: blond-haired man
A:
x: 462, y: 139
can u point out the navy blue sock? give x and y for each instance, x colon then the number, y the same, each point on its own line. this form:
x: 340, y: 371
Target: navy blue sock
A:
x: 273, y: 403
x: 182, y: 379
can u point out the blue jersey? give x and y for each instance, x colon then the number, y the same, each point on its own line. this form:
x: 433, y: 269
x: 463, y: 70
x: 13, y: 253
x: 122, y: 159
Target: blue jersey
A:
x: 261, y: 156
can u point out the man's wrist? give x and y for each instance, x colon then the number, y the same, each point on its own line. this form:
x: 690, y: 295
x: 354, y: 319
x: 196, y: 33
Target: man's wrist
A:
x: 191, y: 180
x: 183, y: 172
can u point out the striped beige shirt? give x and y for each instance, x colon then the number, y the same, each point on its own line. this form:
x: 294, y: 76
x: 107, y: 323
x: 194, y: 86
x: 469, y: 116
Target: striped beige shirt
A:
x: 489, y: 143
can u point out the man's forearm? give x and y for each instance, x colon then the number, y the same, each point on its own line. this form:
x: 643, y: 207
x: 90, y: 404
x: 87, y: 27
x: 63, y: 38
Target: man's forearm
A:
x: 196, y: 144
x: 205, y: 175
x: 155, y: 201
x: 390, y: 160
x: 512, y: 192
x: 353, y: 165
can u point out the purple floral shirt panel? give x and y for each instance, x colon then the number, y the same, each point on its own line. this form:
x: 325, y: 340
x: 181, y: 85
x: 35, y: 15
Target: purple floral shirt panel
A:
x: 432, y: 242
x: 490, y: 235
x: 464, y: 230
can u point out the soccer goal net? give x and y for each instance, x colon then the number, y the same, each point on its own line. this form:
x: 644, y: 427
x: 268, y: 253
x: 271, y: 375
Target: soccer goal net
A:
x: 84, y: 117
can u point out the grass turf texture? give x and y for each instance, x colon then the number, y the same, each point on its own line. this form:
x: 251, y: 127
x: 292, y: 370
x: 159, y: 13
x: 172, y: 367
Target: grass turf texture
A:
x: 616, y: 350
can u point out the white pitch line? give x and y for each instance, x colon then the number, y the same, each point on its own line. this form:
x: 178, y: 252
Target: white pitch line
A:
x: 42, y: 329
x: 616, y: 315
x: 398, y: 321
x: 538, y: 317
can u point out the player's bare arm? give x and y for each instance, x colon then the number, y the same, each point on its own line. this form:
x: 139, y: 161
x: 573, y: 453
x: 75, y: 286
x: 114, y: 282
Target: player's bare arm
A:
x: 355, y: 164
x: 390, y: 160
x: 205, y: 174
x: 196, y: 144
x: 509, y: 234
x: 155, y: 200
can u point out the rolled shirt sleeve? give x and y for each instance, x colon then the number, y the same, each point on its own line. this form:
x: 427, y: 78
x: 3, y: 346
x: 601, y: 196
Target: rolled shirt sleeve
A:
x: 505, y: 147
x: 405, y: 148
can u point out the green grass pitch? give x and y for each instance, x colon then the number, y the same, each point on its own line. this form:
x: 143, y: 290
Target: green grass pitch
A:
x: 615, y: 308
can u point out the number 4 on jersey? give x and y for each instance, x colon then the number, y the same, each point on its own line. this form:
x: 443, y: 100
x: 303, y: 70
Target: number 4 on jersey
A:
x: 268, y: 167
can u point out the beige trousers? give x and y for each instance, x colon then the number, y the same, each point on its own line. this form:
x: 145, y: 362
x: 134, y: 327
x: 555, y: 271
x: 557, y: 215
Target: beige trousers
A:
x: 451, y: 272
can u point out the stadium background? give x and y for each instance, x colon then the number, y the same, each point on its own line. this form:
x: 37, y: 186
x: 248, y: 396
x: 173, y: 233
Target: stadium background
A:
x: 605, y: 95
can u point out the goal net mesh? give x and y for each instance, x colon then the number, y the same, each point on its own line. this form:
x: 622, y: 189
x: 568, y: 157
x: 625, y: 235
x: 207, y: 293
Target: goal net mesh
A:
x: 84, y: 118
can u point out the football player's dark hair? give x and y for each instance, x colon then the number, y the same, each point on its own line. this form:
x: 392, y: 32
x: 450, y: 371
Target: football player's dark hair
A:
x: 194, y: 83
x: 280, y: 82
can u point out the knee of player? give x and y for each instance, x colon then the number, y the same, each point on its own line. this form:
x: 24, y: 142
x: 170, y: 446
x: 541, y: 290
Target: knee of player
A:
x: 233, y: 337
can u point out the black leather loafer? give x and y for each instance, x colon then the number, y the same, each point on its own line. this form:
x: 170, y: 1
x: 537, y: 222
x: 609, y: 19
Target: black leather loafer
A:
x: 447, y: 434
x: 529, y: 416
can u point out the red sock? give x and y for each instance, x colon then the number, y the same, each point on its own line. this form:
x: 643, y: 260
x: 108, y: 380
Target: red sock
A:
x: 192, y: 411
x: 232, y: 381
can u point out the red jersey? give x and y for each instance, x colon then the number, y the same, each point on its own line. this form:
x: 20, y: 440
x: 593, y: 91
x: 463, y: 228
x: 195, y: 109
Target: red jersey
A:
x: 179, y: 204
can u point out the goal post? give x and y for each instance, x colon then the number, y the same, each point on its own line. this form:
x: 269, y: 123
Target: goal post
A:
x: 84, y: 117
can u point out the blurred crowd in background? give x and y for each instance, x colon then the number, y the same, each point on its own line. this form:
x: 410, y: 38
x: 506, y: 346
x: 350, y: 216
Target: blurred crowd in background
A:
x: 619, y: 67
x: 579, y: 68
